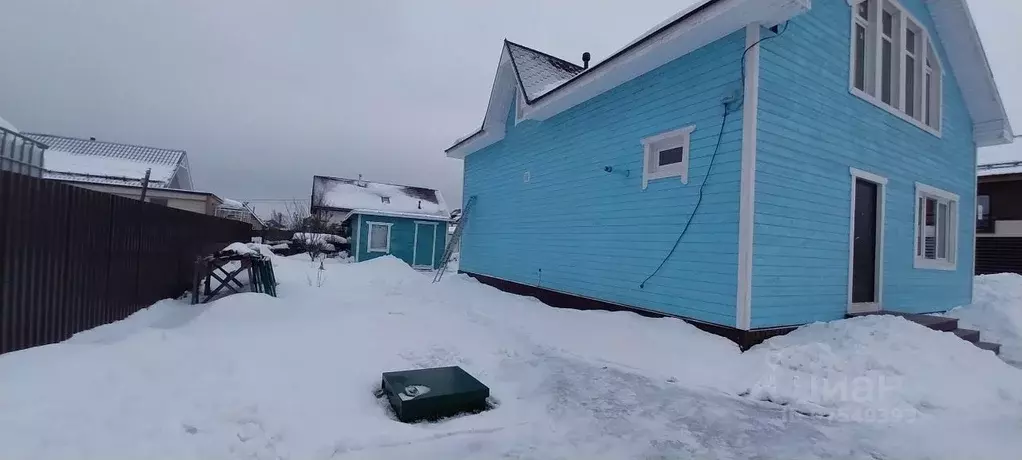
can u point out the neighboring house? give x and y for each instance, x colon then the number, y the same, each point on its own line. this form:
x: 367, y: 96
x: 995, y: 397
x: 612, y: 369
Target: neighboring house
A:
x: 87, y: 161
x: 120, y: 169
x: 999, y: 218
x: 18, y: 153
x: 188, y: 200
x: 236, y: 210
x: 407, y: 222
x: 750, y: 165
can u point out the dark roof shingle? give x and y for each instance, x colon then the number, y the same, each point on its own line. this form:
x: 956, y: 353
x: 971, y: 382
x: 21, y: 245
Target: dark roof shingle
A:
x: 139, y: 153
x: 539, y: 72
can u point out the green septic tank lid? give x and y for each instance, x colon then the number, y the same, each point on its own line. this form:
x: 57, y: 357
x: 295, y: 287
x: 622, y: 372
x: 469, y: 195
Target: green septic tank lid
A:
x: 432, y: 394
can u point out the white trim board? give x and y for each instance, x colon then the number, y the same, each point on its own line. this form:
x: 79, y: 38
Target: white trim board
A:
x: 747, y: 205
x: 358, y: 240
x: 878, y: 275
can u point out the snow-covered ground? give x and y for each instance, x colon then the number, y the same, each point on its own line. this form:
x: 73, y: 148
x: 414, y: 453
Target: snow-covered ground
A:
x: 996, y: 310
x: 250, y: 376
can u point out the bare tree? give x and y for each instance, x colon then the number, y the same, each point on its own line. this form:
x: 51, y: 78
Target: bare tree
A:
x: 309, y: 229
x: 277, y: 220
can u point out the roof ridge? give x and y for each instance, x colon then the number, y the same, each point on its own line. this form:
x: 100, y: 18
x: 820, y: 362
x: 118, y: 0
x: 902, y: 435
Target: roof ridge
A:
x: 104, y: 142
x: 580, y: 68
x: 373, y: 181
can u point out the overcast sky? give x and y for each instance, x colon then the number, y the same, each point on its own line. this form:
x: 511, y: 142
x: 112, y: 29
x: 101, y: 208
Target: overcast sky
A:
x: 264, y: 94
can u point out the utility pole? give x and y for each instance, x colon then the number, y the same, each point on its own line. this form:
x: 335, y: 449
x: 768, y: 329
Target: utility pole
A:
x: 145, y: 184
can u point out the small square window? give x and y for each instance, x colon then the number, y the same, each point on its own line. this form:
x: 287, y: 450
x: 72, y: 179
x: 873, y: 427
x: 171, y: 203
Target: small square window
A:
x: 379, y: 237
x: 666, y: 155
x: 385, y: 199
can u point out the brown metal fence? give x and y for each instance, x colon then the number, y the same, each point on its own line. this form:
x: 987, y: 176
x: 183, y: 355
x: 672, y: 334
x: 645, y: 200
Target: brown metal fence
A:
x: 72, y: 259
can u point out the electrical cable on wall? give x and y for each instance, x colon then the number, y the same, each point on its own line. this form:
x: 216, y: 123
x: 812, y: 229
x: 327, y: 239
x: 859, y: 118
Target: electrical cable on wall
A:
x: 699, y: 198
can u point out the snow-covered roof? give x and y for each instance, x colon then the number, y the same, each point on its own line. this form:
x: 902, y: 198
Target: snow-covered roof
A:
x: 378, y: 198
x: 105, y: 170
x: 706, y: 22
x: 538, y: 72
x: 232, y: 203
x: 7, y: 125
x: 999, y: 169
x: 86, y: 160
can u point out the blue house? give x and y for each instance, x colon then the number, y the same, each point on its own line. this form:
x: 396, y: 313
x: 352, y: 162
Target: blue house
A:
x: 748, y: 165
x: 407, y: 222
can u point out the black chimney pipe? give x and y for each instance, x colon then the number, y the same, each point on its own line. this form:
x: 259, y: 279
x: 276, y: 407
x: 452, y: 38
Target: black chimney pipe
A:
x: 585, y: 60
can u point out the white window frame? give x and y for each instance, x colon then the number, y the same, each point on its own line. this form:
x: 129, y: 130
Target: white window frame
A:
x: 903, y: 20
x: 369, y: 234
x: 950, y: 261
x: 653, y: 146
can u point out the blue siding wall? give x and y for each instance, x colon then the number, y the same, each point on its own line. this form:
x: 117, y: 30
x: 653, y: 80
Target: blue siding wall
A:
x: 577, y: 229
x: 811, y: 130
x: 402, y: 238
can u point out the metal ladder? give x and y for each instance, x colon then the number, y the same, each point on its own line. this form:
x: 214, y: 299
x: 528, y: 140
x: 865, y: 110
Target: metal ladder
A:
x: 455, y: 239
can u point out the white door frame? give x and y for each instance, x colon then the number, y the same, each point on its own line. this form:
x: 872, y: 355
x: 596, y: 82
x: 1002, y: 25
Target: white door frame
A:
x: 881, y: 183
x: 415, y: 245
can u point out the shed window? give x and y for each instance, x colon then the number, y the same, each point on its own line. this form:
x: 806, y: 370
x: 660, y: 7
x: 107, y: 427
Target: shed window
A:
x: 894, y: 64
x: 936, y: 228
x: 666, y: 155
x: 379, y: 237
x: 983, y: 222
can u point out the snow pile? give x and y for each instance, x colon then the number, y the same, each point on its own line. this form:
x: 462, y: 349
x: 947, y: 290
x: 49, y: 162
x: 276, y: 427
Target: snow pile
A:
x: 996, y: 311
x: 240, y: 249
x: 255, y: 377
x: 881, y: 368
x: 309, y: 238
x: 95, y: 165
x: 233, y: 203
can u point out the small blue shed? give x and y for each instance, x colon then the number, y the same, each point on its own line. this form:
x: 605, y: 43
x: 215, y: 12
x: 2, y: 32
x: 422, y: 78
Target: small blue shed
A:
x: 407, y: 222
x: 748, y: 165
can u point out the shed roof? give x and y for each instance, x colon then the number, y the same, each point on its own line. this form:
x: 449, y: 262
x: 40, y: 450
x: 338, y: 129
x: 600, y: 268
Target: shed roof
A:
x: 365, y: 197
x: 999, y: 169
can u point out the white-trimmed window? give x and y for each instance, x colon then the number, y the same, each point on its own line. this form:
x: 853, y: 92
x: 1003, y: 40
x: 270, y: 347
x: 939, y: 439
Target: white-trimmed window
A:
x: 379, y: 237
x: 893, y: 63
x: 666, y: 155
x: 936, y: 243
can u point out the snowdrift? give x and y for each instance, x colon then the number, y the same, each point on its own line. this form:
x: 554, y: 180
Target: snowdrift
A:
x: 251, y: 376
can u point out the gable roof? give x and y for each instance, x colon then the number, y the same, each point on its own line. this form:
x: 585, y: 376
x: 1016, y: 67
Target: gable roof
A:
x: 709, y: 20
x: 699, y: 25
x: 378, y: 198
x: 538, y: 72
x: 86, y: 160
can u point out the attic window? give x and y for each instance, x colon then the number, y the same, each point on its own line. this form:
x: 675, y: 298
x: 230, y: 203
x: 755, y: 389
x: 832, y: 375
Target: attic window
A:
x: 894, y: 64
x: 666, y: 155
x: 385, y: 199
